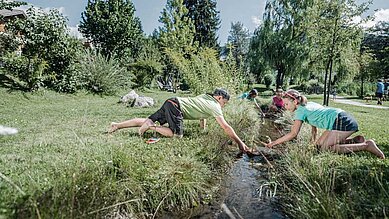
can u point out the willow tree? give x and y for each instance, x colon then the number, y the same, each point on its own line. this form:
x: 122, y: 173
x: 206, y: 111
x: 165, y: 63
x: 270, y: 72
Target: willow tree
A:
x: 281, y: 41
x: 336, y: 38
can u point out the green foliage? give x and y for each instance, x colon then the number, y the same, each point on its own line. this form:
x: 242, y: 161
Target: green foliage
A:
x: 178, y: 30
x: 203, y: 72
x: 337, y: 40
x: 328, y: 185
x: 10, y: 4
x: 352, y: 89
x: 312, y: 86
x: 268, y: 80
x: 100, y: 74
x: 113, y: 27
x: 376, y: 42
x: 147, y: 66
x: 206, y: 21
x: 22, y: 73
x: 72, y: 170
x: 45, y: 36
x: 280, y: 43
x: 238, y: 44
x: 8, y: 43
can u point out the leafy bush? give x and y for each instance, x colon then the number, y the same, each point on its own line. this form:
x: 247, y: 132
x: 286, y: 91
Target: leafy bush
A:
x: 45, y: 36
x: 8, y: 43
x: 349, y: 88
x: 203, y: 71
x: 100, y: 74
x: 23, y: 73
x: 268, y: 80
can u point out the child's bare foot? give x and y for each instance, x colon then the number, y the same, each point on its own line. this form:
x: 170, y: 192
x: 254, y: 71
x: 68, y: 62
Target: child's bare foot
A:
x: 372, y: 147
x: 145, y: 126
x: 113, y: 127
x: 359, y: 139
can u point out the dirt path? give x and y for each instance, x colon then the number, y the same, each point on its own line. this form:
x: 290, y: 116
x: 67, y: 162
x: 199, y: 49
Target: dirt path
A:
x: 351, y: 102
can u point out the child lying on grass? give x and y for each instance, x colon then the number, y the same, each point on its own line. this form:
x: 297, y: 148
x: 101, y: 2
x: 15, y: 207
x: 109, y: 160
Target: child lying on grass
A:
x: 338, y: 124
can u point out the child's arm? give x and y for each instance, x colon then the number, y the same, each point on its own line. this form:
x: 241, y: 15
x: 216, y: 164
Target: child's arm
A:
x: 314, y: 134
x: 259, y: 108
x: 292, y: 134
x: 203, y: 124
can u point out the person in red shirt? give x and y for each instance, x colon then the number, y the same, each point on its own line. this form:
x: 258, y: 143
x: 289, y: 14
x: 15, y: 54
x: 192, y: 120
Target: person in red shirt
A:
x: 277, y: 104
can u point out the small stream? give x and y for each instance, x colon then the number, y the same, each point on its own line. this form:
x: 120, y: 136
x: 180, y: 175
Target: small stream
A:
x: 246, y: 192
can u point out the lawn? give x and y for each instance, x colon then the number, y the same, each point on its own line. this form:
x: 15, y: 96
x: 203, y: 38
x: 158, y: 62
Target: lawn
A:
x: 327, y: 185
x: 62, y: 164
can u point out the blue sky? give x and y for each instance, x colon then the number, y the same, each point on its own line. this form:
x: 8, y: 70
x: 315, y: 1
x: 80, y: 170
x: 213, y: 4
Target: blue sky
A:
x: 249, y: 12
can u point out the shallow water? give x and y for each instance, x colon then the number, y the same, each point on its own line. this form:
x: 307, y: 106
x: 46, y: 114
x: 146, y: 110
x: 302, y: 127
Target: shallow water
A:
x: 249, y: 194
x: 246, y: 192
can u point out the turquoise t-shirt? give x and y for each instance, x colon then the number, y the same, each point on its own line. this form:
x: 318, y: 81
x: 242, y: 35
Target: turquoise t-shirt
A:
x: 317, y: 115
x: 246, y: 96
x: 199, y: 107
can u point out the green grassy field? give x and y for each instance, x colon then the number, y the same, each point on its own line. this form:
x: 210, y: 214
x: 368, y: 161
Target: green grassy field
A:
x: 62, y: 165
x: 327, y: 185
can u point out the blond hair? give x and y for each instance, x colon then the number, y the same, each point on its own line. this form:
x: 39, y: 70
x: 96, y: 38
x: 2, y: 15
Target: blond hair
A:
x: 295, y: 95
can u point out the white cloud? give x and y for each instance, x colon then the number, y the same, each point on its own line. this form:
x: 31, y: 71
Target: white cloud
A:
x: 46, y: 10
x: 380, y: 15
x: 73, y: 31
x: 256, y: 20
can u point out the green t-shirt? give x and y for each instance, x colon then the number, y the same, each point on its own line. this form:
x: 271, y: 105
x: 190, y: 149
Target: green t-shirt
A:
x: 317, y: 115
x: 199, y: 107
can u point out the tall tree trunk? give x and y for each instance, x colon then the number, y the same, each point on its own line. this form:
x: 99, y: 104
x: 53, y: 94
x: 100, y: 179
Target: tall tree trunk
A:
x: 280, y: 76
x: 329, y: 83
x: 361, y: 95
x: 326, y: 82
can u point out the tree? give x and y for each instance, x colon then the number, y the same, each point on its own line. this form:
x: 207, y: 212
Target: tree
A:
x: 238, y: 41
x: 281, y: 41
x: 10, y: 4
x: 206, y: 21
x: 178, y: 30
x: 113, y: 27
x: 376, y: 41
x: 337, y: 39
x: 46, y: 39
x: 176, y: 36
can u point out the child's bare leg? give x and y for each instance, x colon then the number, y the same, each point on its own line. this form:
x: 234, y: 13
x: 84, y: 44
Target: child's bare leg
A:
x: 356, y: 139
x: 372, y: 147
x: 334, y: 139
x: 165, y: 131
x: 149, y: 124
x: 137, y: 122
x: 145, y: 126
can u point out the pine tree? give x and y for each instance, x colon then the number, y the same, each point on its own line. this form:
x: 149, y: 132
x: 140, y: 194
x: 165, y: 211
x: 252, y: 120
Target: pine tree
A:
x: 206, y: 20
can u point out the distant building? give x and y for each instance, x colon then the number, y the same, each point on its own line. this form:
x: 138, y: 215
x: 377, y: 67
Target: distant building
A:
x: 7, y: 15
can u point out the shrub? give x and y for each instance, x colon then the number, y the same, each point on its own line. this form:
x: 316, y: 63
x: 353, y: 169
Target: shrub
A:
x: 23, y: 73
x: 268, y: 80
x: 349, y: 88
x: 100, y: 74
x: 45, y: 36
x: 203, y: 71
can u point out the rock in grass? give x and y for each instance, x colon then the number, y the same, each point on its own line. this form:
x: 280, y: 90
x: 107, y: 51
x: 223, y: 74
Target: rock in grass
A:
x: 7, y: 130
x: 134, y: 100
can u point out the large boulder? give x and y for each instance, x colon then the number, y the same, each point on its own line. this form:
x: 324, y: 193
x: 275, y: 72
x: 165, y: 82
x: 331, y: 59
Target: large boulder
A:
x: 132, y: 99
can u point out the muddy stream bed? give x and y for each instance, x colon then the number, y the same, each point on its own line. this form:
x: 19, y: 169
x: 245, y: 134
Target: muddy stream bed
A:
x: 246, y: 190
